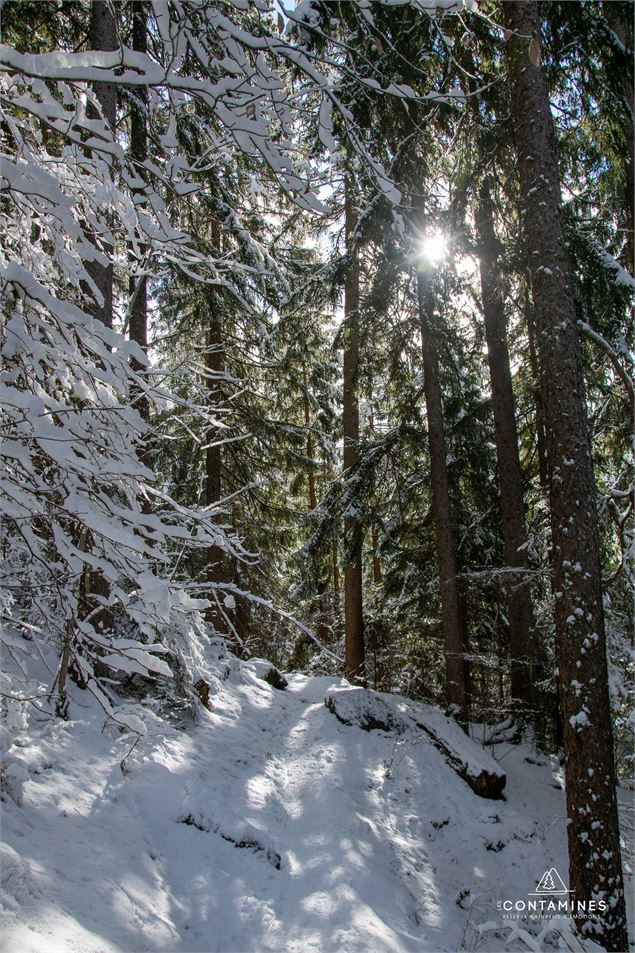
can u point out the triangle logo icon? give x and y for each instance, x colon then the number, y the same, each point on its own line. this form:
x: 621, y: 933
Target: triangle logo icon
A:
x: 551, y: 883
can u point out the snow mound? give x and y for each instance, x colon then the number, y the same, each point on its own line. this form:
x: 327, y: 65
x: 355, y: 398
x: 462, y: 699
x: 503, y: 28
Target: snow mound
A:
x: 370, y: 710
x: 263, y: 669
x: 364, y: 708
x: 16, y: 880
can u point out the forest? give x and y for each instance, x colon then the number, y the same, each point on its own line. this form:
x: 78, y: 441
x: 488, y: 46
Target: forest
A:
x: 316, y: 485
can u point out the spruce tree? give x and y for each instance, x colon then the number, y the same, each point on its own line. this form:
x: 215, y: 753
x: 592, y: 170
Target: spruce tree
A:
x: 593, y: 830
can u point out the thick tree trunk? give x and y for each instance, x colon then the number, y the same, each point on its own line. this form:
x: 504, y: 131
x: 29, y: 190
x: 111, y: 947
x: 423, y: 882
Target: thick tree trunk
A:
x: 103, y: 36
x: 530, y: 320
x: 593, y: 832
x: 353, y: 612
x: 451, y: 621
x: 510, y: 477
x: 139, y: 153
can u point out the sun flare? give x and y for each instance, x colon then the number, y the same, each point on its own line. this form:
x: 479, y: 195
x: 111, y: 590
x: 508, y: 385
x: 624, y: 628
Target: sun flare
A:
x: 434, y: 248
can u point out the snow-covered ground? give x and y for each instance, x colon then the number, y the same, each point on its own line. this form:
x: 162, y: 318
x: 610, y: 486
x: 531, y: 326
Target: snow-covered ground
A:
x: 269, y: 825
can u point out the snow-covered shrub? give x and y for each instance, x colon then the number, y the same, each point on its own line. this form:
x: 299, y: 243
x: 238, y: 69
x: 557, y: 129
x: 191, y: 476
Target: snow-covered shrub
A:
x: 91, y: 544
x: 74, y: 487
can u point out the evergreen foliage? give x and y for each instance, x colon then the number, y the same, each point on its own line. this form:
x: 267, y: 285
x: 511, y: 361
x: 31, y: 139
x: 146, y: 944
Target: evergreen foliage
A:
x: 157, y: 496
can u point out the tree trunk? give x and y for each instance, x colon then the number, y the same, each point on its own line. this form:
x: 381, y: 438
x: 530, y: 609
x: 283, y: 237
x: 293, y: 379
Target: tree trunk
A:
x: 451, y: 621
x: 510, y: 477
x: 103, y: 37
x: 530, y: 320
x: 548, y: 722
x: 353, y: 614
x: 593, y: 833
x: 139, y: 153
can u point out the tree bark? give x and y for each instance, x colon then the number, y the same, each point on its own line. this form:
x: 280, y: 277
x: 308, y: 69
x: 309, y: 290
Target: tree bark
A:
x: 593, y: 833
x: 530, y: 320
x: 353, y: 610
x: 510, y: 477
x: 103, y: 37
x: 451, y: 620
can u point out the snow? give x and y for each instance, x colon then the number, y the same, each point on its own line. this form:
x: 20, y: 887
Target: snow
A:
x: 267, y: 824
x: 360, y: 706
x: 580, y: 720
x: 621, y: 276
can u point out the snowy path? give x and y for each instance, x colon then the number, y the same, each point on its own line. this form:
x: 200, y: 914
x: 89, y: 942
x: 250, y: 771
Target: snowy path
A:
x: 270, y: 826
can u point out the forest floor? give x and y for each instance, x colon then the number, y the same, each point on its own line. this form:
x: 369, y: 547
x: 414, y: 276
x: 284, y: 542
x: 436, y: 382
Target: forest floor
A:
x: 269, y: 825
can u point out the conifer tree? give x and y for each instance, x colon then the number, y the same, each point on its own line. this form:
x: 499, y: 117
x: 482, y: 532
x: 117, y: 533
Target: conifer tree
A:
x: 138, y: 284
x: 103, y: 36
x: 353, y: 587
x: 510, y: 477
x: 593, y: 830
x: 454, y: 636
